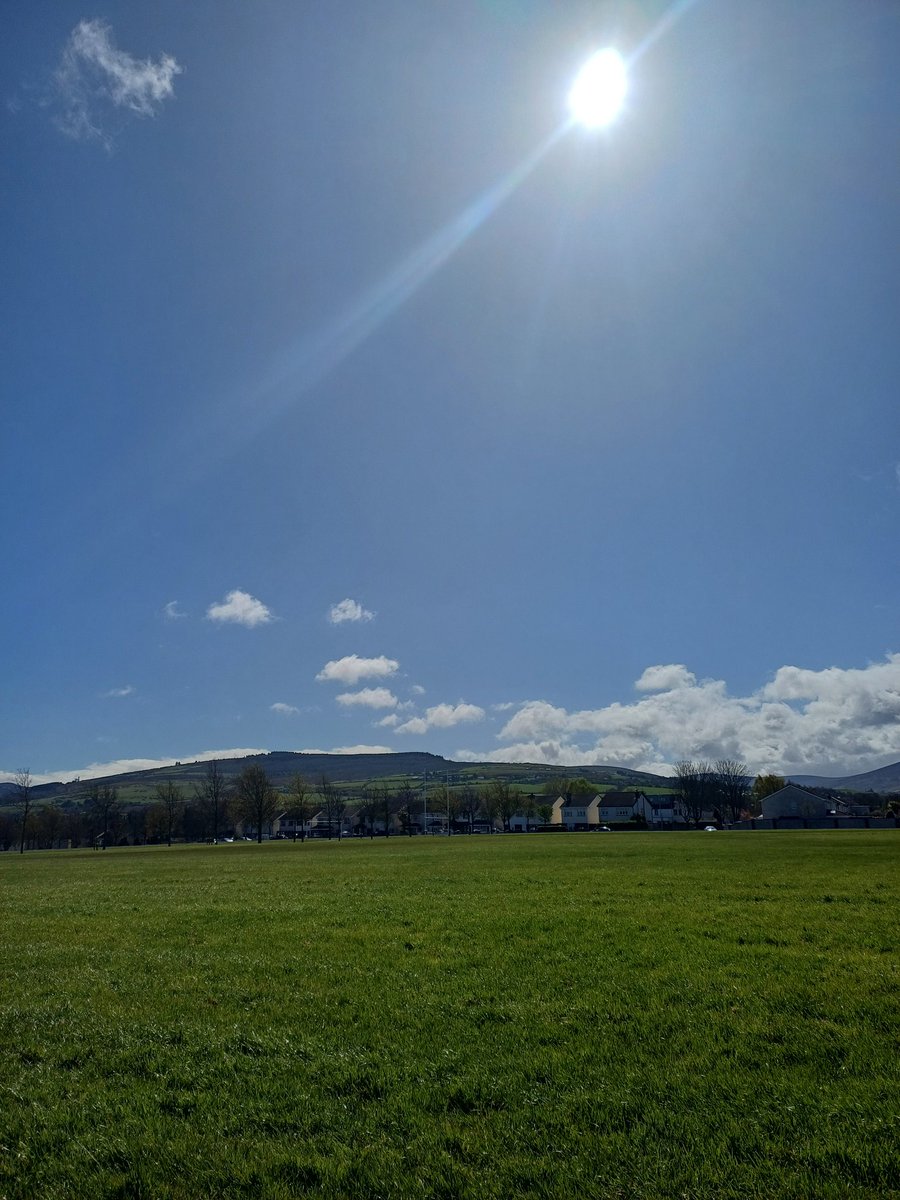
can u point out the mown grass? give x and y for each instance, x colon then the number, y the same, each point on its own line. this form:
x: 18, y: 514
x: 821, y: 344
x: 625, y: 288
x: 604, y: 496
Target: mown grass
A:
x: 658, y: 1015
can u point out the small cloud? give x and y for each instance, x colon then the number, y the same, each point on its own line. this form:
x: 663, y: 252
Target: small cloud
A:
x: 380, y: 697
x: 363, y: 749
x: 897, y: 473
x: 413, y: 725
x: 351, y: 669
x: 442, y: 716
x: 284, y: 710
x: 95, y: 79
x: 665, y: 678
x: 503, y: 706
x: 388, y: 722
x: 348, y: 610
x: 128, y: 690
x: 172, y: 612
x: 417, y: 689
x: 240, y: 608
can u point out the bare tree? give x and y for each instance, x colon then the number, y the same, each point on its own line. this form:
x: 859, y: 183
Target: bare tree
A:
x: 332, y: 806
x: 49, y: 825
x: 384, y: 805
x: 732, y: 786
x: 300, y: 805
x: 500, y: 801
x: 23, y: 801
x: 102, y: 805
x: 409, y: 805
x: 469, y: 805
x: 170, y: 799
x: 256, y: 798
x: 212, y: 796
x: 695, y: 787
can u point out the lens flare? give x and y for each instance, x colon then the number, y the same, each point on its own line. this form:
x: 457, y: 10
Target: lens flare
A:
x: 598, y: 92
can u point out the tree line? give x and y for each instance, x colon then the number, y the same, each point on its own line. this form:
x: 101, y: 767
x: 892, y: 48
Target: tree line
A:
x: 210, y: 809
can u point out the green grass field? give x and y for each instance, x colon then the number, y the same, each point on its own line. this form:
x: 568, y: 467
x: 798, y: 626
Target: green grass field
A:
x: 663, y: 1015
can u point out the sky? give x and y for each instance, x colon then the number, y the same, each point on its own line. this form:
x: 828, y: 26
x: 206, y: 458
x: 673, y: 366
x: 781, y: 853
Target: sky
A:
x: 352, y: 397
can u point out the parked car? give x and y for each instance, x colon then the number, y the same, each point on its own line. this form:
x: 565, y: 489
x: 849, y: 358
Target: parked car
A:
x: 710, y: 829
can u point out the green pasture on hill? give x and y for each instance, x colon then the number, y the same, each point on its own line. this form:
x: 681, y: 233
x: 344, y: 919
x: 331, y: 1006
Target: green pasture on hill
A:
x: 623, y: 1015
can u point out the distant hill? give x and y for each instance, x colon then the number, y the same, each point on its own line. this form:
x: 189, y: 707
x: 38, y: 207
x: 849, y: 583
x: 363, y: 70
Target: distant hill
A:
x: 349, y: 770
x: 885, y: 779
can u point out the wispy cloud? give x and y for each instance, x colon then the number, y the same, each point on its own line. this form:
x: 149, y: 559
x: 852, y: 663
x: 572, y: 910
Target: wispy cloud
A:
x: 95, y: 79
x: 379, y: 697
x: 348, y: 750
x: 240, y: 608
x: 417, y: 689
x: 834, y: 721
x: 387, y: 722
x: 351, y: 669
x: 172, y: 612
x: 118, y: 692
x: 442, y: 716
x: 99, y: 770
x: 348, y: 610
x: 284, y: 710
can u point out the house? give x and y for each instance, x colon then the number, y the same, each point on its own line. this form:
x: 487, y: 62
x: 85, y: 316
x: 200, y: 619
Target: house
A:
x: 662, y: 811
x: 521, y: 822
x: 580, y: 811
x: 286, y: 825
x: 618, y: 806
x: 793, y: 801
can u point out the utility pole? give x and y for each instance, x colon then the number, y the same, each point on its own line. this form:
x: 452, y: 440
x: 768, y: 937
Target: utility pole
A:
x: 424, y: 801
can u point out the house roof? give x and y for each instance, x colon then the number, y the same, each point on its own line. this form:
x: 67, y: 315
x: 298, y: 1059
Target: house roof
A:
x: 580, y: 800
x: 792, y: 792
x: 619, y: 799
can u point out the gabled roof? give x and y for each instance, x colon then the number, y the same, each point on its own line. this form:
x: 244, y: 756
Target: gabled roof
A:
x: 619, y: 799
x: 580, y: 800
x: 792, y: 792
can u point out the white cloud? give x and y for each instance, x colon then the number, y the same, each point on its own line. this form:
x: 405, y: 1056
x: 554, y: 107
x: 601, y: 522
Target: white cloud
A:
x: 240, y: 608
x: 417, y: 689
x: 379, y: 697
x: 348, y: 610
x: 442, y: 716
x: 387, y: 722
x: 351, y: 669
x: 357, y: 750
x: 119, y: 766
x: 94, y: 79
x: 665, y: 678
x: 285, y: 710
x: 172, y: 612
x: 413, y: 725
x: 835, y: 721
x: 128, y: 690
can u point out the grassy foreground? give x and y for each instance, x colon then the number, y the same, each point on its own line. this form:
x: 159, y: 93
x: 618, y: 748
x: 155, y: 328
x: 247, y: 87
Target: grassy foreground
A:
x: 681, y: 1015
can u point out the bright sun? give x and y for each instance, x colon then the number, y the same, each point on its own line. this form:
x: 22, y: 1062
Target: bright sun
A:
x: 599, y: 90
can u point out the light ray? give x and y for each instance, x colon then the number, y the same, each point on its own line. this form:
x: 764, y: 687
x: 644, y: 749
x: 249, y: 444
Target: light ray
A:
x: 318, y: 355
x: 669, y: 18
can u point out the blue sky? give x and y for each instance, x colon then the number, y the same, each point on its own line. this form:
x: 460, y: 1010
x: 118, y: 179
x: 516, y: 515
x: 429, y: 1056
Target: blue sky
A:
x: 327, y: 424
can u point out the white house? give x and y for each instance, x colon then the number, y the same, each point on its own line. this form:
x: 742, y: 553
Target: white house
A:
x: 580, y: 811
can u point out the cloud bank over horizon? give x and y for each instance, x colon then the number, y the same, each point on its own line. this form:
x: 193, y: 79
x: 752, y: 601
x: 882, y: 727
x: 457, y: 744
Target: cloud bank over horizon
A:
x: 836, y: 721
x: 121, y: 766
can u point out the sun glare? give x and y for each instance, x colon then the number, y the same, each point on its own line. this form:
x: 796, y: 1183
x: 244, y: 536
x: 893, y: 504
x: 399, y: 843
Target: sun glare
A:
x: 599, y: 90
